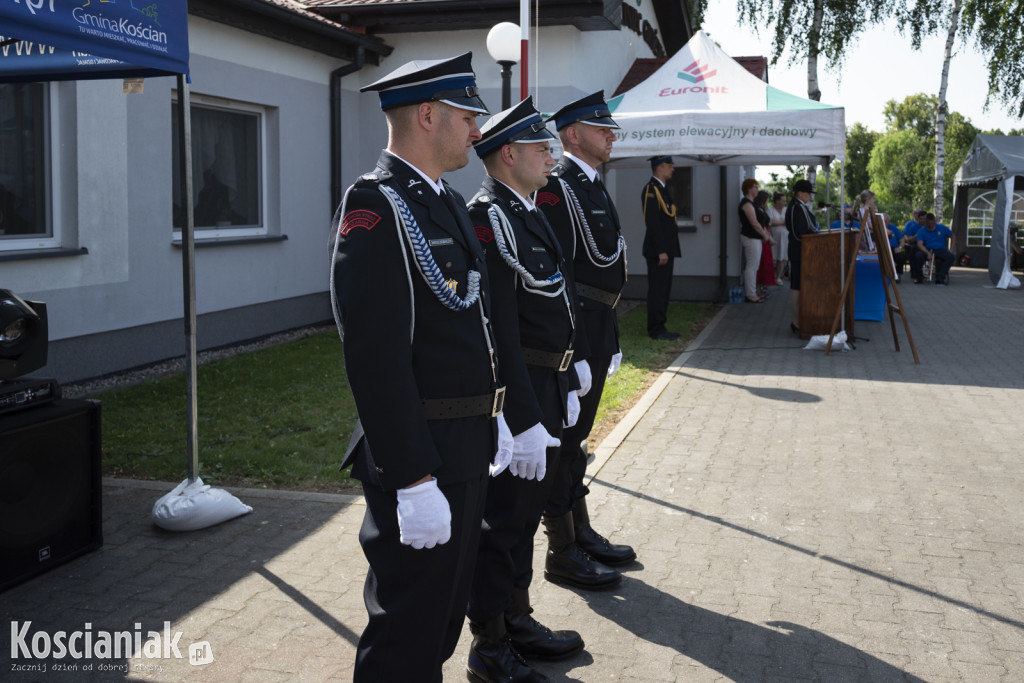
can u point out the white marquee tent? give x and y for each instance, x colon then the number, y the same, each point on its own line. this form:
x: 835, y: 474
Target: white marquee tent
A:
x: 702, y: 105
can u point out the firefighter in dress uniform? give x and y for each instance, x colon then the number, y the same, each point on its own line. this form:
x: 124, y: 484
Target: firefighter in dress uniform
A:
x: 409, y: 292
x: 584, y: 219
x: 534, y: 318
x: 661, y: 245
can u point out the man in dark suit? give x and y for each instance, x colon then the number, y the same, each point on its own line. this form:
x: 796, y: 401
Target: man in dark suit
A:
x: 586, y: 223
x: 409, y: 291
x: 534, y: 320
x: 661, y: 245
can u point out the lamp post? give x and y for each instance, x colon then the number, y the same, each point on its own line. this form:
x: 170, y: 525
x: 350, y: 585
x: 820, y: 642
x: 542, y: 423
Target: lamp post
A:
x: 503, y: 44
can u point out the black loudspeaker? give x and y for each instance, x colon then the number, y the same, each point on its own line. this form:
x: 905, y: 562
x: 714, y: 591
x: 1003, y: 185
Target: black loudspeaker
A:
x: 50, y: 487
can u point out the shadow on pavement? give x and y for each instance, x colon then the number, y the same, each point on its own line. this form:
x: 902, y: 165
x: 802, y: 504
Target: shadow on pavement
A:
x: 738, y: 649
x: 820, y: 556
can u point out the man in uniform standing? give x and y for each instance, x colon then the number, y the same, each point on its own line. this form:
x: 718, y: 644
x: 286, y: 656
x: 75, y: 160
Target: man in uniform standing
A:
x: 409, y: 292
x: 533, y: 317
x: 661, y: 245
x: 586, y: 223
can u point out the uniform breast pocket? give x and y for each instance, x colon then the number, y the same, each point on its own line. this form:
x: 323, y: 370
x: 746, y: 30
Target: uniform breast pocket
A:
x: 453, y: 262
x: 540, y: 262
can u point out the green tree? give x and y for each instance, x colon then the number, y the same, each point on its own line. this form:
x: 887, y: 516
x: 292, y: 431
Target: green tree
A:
x: 915, y: 112
x: 859, y: 142
x: 997, y: 26
x: 900, y: 167
x: 902, y: 162
x: 808, y: 29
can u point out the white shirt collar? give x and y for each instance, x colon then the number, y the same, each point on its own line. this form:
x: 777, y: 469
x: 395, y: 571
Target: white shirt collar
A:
x: 527, y: 202
x: 587, y: 168
x: 660, y: 181
x: 438, y: 188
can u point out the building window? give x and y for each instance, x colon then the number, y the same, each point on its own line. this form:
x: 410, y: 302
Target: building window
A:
x: 680, y: 187
x: 227, y: 170
x: 980, y: 211
x: 24, y: 171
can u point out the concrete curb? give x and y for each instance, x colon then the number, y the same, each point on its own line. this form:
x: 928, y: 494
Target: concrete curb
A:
x: 611, y: 442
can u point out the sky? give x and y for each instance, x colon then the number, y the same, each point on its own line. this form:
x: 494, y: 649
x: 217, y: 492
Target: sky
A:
x: 879, y: 67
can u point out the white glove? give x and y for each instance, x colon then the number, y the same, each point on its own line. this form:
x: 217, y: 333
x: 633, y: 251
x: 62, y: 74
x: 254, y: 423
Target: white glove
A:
x: 586, y: 379
x: 504, y: 455
x: 529, y: 452
x: 424, y: 517
x: 613, y: 367
x: 572, y: 407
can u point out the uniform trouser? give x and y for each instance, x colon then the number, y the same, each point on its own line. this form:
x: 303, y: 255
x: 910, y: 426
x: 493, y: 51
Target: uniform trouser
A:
x: 567, y: 479
x: 416, y: 599
x: 943, y: 262
x: 511, y: 517
x: 659, y: 286
x: 751, y: 262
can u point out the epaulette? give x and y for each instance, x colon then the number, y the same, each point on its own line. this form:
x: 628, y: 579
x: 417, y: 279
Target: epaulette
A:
x: 373, y: 177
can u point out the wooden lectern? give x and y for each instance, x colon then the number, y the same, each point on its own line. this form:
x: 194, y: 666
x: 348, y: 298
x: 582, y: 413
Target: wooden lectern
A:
x: 821, y: 281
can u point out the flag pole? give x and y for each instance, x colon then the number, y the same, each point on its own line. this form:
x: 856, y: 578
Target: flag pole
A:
x: 524, y: 48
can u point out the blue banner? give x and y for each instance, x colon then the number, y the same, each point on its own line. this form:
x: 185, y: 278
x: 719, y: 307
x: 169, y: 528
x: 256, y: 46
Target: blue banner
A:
x: 70, y: 39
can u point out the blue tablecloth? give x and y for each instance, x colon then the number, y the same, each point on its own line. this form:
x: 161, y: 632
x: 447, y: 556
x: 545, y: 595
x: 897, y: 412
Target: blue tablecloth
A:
x: 869, y: 294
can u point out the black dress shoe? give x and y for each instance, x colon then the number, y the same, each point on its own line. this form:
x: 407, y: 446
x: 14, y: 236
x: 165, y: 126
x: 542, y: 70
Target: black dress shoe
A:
x: 534, y: 640
x: 666, y: 335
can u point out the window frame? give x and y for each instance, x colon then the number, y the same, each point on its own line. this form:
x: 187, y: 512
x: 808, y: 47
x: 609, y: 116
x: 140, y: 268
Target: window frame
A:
x: 979, y: 233
x: 675, y: 190
x: 261, y: 113
x: 51, y: 238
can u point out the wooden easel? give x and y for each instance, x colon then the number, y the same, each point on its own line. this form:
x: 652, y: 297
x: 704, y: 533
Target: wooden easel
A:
x: 887, y: 268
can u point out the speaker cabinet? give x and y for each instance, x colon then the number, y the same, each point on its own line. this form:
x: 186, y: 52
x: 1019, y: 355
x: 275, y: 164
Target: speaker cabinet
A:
x: 50, y: 490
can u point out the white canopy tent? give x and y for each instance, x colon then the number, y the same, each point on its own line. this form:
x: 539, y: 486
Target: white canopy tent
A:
x: 704, y: 106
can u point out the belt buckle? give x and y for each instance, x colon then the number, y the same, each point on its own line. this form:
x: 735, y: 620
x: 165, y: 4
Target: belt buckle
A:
x: 616, y: 302
x: 499, y: 402
x: 566, y: 360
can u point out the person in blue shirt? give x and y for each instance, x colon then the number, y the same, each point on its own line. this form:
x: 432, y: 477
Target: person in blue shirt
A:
x: 931, y: 241
x: 848, y: 217
x: 911, y: 227
x: 896, y: 244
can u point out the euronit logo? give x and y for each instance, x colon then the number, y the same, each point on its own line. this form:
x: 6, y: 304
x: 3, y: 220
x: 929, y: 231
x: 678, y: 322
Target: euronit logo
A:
x: 696, y: 72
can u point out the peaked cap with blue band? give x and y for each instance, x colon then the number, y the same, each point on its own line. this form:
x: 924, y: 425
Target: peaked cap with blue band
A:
x: 450, y: 80
x: 657, y: 161
x: 521, y: 123
x: 591, y: 110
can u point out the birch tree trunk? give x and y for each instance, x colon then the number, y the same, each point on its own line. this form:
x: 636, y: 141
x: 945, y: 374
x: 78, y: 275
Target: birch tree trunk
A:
x: 813, y: 48
x: 940, y: 115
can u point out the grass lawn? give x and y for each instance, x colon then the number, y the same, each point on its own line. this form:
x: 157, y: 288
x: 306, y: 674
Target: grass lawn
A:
x: 281, y: 417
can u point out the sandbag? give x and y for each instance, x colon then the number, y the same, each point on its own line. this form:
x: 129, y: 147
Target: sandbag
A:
x: 196, y: 506
x: 819, y: 342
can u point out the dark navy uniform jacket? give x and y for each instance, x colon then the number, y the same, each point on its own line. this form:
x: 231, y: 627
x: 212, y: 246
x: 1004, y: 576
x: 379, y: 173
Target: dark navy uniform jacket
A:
x: 401, y: 343
x: 661, y: 235
x: 598, y: 319
x: 523, y: 319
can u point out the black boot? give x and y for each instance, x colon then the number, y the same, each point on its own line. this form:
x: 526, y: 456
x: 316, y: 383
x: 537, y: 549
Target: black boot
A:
x: 492, y: 659
x: 567, y: 564
x: 593, y: 543
x: 532, y: 639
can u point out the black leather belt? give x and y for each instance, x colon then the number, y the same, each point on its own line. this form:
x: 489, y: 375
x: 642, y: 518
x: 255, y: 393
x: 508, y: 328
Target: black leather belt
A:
x: 548, y: 359
x: 598, y: 295
x: 489, y: 404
